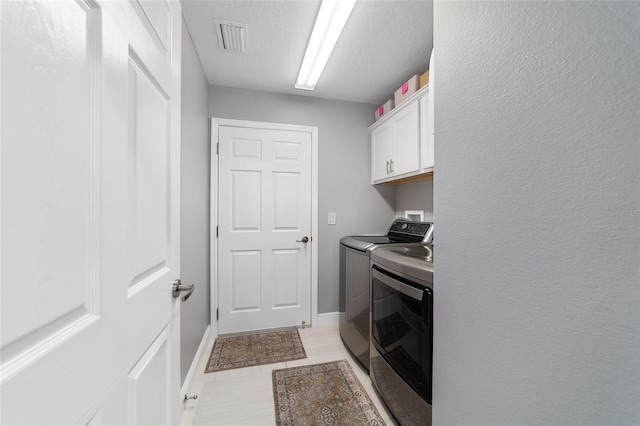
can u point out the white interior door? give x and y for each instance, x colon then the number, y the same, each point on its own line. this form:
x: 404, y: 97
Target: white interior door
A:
x: 90, y: 212
x: 265, y: 209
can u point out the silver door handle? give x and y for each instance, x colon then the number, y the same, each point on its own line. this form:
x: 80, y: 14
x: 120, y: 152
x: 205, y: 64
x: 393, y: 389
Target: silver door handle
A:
x: 412, y: 292
x: 178, y: 287
x: 387, y: 166
x: 303, y: 240
x: 391, y: 162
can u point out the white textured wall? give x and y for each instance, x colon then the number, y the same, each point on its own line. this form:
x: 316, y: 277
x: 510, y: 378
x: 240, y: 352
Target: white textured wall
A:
x: 537, y: 196
x: 194, y: 227
x: 344, y: 176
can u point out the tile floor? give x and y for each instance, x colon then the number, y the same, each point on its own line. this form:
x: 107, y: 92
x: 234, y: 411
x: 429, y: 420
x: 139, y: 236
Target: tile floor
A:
x: 244, y: 396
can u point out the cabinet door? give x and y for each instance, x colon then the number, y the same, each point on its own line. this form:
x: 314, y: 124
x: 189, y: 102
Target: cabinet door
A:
x: 426, y: 137
x: 381, y: 151
x: 406, y: 130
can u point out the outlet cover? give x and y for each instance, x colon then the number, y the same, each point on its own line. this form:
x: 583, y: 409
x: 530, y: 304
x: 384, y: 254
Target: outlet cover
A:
x: 332, y: 218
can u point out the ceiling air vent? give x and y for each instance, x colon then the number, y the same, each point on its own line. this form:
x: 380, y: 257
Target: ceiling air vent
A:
x: 231, y: 35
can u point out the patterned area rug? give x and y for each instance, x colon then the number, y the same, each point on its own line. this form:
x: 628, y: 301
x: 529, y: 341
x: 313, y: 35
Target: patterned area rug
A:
x: 255, y: 349
x: 322, y: 394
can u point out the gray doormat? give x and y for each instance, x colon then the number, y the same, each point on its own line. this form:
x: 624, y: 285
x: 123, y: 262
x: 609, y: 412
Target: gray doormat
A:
x: 322, y: 394
x: 255, y: 349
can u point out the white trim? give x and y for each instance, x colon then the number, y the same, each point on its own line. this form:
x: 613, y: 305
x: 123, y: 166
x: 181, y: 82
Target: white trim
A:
x: 330, y: 319
x: 213, y: 223
x: 215, y: 123
x: 314, y: 226
x: 194, y: 369
x: 420, y: 93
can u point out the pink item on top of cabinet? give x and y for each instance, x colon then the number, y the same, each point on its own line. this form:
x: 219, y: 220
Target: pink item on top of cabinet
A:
x: 384, y: 109
x: 410, y: 87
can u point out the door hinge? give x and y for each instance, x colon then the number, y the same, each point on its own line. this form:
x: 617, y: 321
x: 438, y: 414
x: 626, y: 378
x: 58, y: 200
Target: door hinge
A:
x: 217, y: 313
x: 216, y: 231
x: 218, y: 148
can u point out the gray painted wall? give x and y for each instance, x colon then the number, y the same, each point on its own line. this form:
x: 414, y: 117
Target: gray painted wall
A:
x: 537, y: 296
x: 194, y: 227
x: 416, y: 196
x: 344, y: 180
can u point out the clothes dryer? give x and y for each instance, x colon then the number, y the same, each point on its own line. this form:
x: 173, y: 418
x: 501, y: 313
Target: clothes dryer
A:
x: 355, y: 281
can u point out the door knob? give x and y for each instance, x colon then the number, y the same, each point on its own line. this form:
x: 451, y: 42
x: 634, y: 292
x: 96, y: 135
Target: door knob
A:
x: 303, y: 240
x: 178, y: 287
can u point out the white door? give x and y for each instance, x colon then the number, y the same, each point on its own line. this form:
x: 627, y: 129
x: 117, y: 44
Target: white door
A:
x: 265, y: 201
x: 90, y: 212
x: 406, y: 129
x: 381, y: 151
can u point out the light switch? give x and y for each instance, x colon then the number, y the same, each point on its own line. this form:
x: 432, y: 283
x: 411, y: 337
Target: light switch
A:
x: 332, y: 218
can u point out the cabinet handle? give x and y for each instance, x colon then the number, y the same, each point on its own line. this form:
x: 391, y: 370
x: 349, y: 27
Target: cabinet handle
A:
x: 387, y: 166
x: 391, y: 161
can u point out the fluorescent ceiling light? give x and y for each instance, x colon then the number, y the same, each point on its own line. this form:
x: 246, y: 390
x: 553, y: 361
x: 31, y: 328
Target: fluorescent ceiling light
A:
x: 331, y: 18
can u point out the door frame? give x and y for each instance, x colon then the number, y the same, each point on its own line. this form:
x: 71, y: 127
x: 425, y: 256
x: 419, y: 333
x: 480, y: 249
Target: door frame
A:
x: 213, y: 249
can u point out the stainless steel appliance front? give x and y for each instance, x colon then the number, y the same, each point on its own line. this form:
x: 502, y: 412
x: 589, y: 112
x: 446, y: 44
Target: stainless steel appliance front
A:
x: 355, y: 280
x: 402, y: 331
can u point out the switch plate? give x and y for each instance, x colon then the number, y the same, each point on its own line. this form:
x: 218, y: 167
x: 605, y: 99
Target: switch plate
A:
x: 332, y: 218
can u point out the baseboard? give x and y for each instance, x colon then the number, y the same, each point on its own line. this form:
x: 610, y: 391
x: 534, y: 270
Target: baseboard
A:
x: 330, y: 319
x: 195, y: 364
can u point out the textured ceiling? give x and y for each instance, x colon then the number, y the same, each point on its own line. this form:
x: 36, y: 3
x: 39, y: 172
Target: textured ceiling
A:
x: 382, y: 45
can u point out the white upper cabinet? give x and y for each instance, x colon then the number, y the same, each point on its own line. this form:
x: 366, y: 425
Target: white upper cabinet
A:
x: 401, y: 145
x: 426, y: 135
x: 406, y: 130
x: 381, y: 151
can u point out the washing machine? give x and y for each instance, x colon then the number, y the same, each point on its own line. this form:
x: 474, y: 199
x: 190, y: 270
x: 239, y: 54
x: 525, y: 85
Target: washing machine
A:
x: 355, y: 279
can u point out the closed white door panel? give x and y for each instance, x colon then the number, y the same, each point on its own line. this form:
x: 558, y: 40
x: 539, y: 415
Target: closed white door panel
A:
x: 426, y: 137
x: 381, y: 151
x: 265, y: 207
x: 406, y: 157
x: 90, y: 212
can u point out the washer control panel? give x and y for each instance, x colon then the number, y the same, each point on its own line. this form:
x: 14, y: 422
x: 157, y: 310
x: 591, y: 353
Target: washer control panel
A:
x: 414, y: 231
